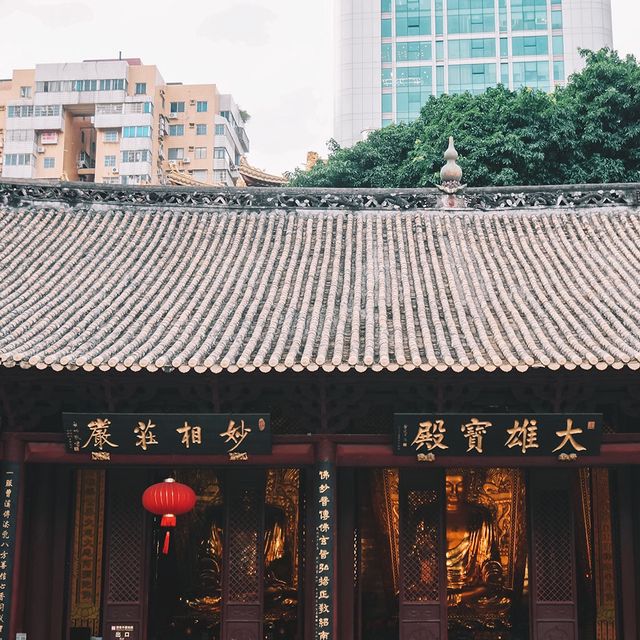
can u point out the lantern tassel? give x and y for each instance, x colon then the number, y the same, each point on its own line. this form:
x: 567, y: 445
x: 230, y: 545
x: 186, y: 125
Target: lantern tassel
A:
x: 168, y: 520
x: 165, y: 546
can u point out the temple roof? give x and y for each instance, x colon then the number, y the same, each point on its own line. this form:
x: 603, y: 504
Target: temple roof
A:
x: 253, y: 177
x: 102, y: 277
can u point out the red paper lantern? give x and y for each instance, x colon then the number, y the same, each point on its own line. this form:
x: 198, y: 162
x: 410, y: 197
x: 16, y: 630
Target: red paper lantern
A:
x: 168, y: 499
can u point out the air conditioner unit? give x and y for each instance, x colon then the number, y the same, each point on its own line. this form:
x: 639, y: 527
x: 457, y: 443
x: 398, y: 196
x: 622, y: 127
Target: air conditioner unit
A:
x: 40, y: 149
x: 190, y: 148
x: 186, y: 160
x: 173, y: 116
x: 191, y: 125
x: 114, y: 169
x: 192, y: 102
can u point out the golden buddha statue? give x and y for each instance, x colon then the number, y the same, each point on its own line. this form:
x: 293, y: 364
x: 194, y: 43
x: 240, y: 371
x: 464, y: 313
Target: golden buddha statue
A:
x: 476, y: 595
x: 472, y: 559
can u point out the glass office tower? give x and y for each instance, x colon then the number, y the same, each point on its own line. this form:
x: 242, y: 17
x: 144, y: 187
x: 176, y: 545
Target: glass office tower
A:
x: 393, y: 54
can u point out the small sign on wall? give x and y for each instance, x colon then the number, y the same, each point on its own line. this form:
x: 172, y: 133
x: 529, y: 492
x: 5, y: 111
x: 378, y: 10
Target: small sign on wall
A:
x: 122, y: 632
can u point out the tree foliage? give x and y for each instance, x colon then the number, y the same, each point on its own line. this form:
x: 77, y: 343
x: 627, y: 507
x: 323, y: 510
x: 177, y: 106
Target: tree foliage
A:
x: 588, y: 131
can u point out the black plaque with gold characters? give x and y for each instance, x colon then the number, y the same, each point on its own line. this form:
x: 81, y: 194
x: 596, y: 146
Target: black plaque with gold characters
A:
x: 10, y: 488
x: 105, y: 434
x: 565, y: 436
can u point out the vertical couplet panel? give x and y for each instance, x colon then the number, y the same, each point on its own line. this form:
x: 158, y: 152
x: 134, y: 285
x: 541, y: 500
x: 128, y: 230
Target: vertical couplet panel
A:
x: 242, y: 595
x: 553, y: 566
x: 423, y: 578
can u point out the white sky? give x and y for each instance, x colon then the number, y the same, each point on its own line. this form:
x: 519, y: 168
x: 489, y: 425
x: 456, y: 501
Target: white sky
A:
x: 276, y: 58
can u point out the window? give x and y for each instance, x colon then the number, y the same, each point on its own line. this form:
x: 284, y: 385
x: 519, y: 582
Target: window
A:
x: 534, y: 74
x: 407, y: 51
x: 413, y: 17
x: 176, y: 107
x: 220, y: 176
x: 20, y: 135
x: 141, y: 88
x: 175, y: 153
x: 471, y: 16
x: 109, y: 161
x: 504, y: 47
x: 111, y: 135
x: 200, y: 174
x: 556, y: 19
x: 202, y: 106
x: 136, y: 179
x: 387, y: 102
x: 138, y: 107
x: 440, y: 50
x: 472, y: 78
x: 529, y: 15
x: 109, y: 108
x: 474, y: 48
x: 85, y: 85
x: 25, y: 92
x: 386, y: 28
x: 219, y: 129
x: 386, y: 122
x: 387, y: 78
x: 19, y: 159
x: 530, y: 45
x: 220, y: 153
x: 140, y: 155
x: 504, y: 74
x: 386, y: 52
x: 439, y: 17
x: 49, y: 163
x: 439, y: 81
x: 385, y: 6
x: 558, y: 45
x: 558, y: 71
x: 414, y: 87
x: 46, y: 110
x: 111, y: 180
x: 136, y: 132
x: 502, y: 15
x: 20, y: 111
x: 200, y: 153
x: 201, y: 129
x: 176, y: 129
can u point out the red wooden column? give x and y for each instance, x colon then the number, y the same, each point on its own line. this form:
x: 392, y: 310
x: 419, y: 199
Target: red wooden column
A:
x: 553, y: 565
x: 243, y: 566
x: 11, y: 568
x: 423, y: 576
x: 128, y: 548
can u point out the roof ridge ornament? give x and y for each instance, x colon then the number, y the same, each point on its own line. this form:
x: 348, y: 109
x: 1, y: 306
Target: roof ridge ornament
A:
x: 451, y: 173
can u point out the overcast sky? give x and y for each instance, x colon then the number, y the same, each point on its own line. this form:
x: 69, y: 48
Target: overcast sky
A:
x: 275, y: 57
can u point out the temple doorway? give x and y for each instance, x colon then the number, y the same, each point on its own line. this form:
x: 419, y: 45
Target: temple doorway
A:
x: 234, y: 563
x: 476, y: 553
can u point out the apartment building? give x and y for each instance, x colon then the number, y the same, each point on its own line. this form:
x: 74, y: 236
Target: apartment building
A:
x: 116, y: 122
x: 393, y: 54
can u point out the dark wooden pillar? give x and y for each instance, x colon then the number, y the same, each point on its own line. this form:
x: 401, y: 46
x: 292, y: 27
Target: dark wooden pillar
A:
x: 48, y: 500
x: 348, y: 556
x: 243, y: 566
x: 423, y: 577
x: 12, y: 570
x: 553, y: 564
x: 127, y: 552
x: 627, y: 499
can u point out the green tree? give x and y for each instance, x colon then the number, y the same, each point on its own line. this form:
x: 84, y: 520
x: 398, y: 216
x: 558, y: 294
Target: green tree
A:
x: 588, y: 131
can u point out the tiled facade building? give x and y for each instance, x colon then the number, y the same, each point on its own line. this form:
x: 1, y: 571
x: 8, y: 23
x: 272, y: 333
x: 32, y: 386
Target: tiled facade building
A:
x: 393, y: 54
x: 116, y: 122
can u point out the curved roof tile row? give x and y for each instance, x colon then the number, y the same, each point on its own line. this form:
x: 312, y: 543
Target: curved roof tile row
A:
x: 106, y: 287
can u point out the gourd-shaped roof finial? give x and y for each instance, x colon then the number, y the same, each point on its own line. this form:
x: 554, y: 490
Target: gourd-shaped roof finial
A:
x: 451, y: 173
